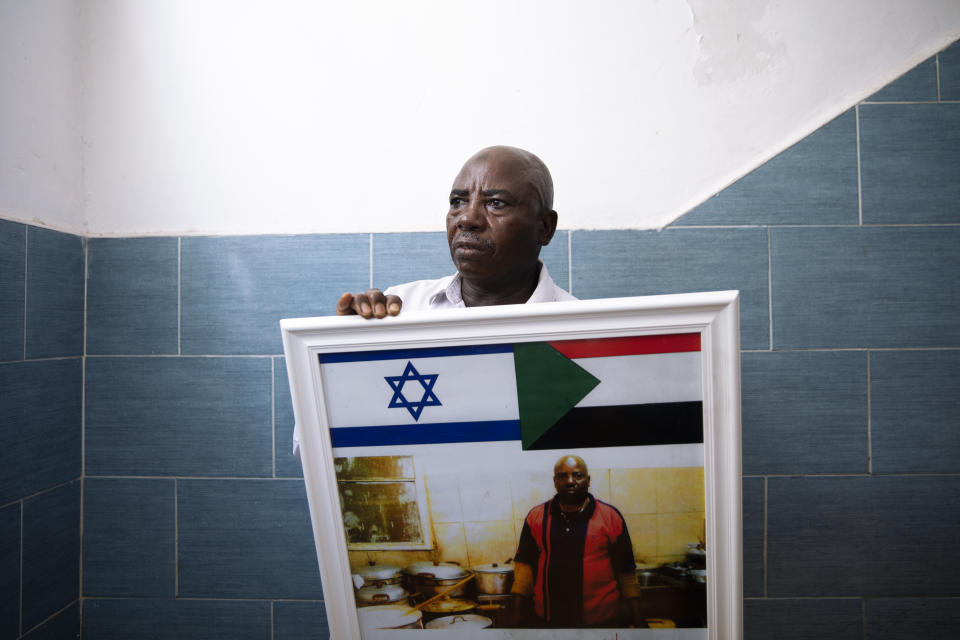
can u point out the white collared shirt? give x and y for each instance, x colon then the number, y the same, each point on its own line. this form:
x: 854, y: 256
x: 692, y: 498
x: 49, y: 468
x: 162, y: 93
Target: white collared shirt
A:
x: 444, y: 293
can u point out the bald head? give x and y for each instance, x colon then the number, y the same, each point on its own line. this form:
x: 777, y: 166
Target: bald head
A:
x: 571, y: 480
x: 525, y: 165
x: 570, y: 460
x: 499, y: 218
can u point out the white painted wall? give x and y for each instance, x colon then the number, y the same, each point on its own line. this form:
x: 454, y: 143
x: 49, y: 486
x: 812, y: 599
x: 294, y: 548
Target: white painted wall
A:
x: 286, y: 116
x: 40, y: 156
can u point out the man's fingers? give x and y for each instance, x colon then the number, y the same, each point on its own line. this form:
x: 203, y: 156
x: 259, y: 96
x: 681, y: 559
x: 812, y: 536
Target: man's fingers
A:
x: 361, y: 305
x: 371, y: 304
x: 394, y: 304
x: 345, y: 305
x: 377, y: 302
x: 354, y: 304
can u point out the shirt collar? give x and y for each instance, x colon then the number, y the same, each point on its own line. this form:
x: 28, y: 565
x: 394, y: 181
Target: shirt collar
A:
x: 544, y: 291
x: 587, y: 510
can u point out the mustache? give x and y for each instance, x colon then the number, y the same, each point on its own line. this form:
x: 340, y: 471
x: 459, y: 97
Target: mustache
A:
x: 472, y: 239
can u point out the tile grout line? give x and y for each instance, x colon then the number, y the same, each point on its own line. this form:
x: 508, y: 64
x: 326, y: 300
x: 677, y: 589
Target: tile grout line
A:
x: 176, y: 541
x: 26, y: 266
x: 370, y: 262
x: 863, y: 618
x: 869, y: 419
x: 240, y: 478
x: 898, y: 102
x: 857, y: 598
x: 83, y: 408
x: 570, y: 260
x: 110, y: 356
x: 937, y: 64
x: 864, y: 474
x: 54, y: 615
x: 827, y: 349
x: 320, y: 600
x: 913, y: 595
x: 856, y: 112
x: 179, y: 292
x: 908, y: 225
x: 20, y: 592
x: 765, y: 491
x: 40, y: 492
x: 875, y: 225
x: 770, y: 283
x: 55, y: 358
x: 271, y: 619
x: 273, y: 414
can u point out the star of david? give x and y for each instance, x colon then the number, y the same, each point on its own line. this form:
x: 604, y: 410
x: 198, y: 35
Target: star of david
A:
x: 428, y: 399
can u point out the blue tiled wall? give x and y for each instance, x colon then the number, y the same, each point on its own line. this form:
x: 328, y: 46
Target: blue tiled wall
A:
x: 851, y: 411
x: 41, y: 390
x: 194, y: 515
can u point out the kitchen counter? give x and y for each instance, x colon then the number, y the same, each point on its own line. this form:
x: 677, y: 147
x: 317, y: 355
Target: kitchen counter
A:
x: 666, y: 595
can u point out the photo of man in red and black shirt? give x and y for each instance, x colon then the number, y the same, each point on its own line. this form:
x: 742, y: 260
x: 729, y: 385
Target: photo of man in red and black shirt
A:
x: 575, y: 559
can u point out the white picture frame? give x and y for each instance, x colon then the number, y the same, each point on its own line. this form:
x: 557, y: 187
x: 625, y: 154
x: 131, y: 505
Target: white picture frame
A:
x: 714, y: 315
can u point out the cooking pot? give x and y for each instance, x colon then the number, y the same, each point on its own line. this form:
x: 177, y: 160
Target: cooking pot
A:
x: 494, y: 579
x: 431, y: 578
x: 381, y: 594
x: 460, y: 622
x: 373, y: 574
x: 447, y: 606
x: 499, y: 600
x: 389, y: 616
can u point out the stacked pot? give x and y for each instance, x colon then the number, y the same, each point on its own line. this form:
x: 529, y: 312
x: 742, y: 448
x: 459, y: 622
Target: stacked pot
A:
x: 494, y: 579
x: 378, y: 584
x: 493, y: 584
x: 431, y: 578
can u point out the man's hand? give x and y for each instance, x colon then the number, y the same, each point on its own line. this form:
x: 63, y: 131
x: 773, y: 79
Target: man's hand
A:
x: 518, y: 613
x: 372, y: 304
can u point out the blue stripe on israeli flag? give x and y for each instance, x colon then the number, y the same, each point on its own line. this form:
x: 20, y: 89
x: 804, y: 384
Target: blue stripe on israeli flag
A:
x: 401, y: 354
x: 489, y: 431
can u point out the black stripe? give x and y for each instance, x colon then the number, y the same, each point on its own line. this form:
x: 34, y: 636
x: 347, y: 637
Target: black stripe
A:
x: 564, y: 583
x: 626, y: 426
x: 545, y: 538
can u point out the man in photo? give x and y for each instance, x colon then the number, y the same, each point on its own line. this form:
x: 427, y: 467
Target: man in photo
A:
x: 574, y: 563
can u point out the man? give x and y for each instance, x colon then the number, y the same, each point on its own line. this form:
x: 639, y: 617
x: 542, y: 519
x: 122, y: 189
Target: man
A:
x: 501, y: 214
x: 575, y: 558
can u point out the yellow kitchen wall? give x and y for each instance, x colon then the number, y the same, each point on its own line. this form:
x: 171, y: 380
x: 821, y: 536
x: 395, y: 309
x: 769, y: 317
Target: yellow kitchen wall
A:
x: 477, y: 517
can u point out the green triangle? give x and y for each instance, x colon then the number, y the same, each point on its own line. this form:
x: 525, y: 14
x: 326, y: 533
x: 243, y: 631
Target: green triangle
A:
x: 549, y: 384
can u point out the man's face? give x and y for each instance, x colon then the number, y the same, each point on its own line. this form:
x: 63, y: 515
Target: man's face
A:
x: 571, y: 480
x: 495, y: 225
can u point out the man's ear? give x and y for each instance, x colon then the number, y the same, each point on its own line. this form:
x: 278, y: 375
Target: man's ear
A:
x: 548, y: 223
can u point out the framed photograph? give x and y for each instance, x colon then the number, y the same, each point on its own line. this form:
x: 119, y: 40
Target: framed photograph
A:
x: 585, y: 455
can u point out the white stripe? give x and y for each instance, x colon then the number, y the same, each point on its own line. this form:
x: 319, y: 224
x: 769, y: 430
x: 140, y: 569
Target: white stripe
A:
x: 470, y: 388
x: 643, y: 379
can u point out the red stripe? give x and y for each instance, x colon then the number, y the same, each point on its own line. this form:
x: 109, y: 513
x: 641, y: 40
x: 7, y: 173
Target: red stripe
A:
x: 631, y: 346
